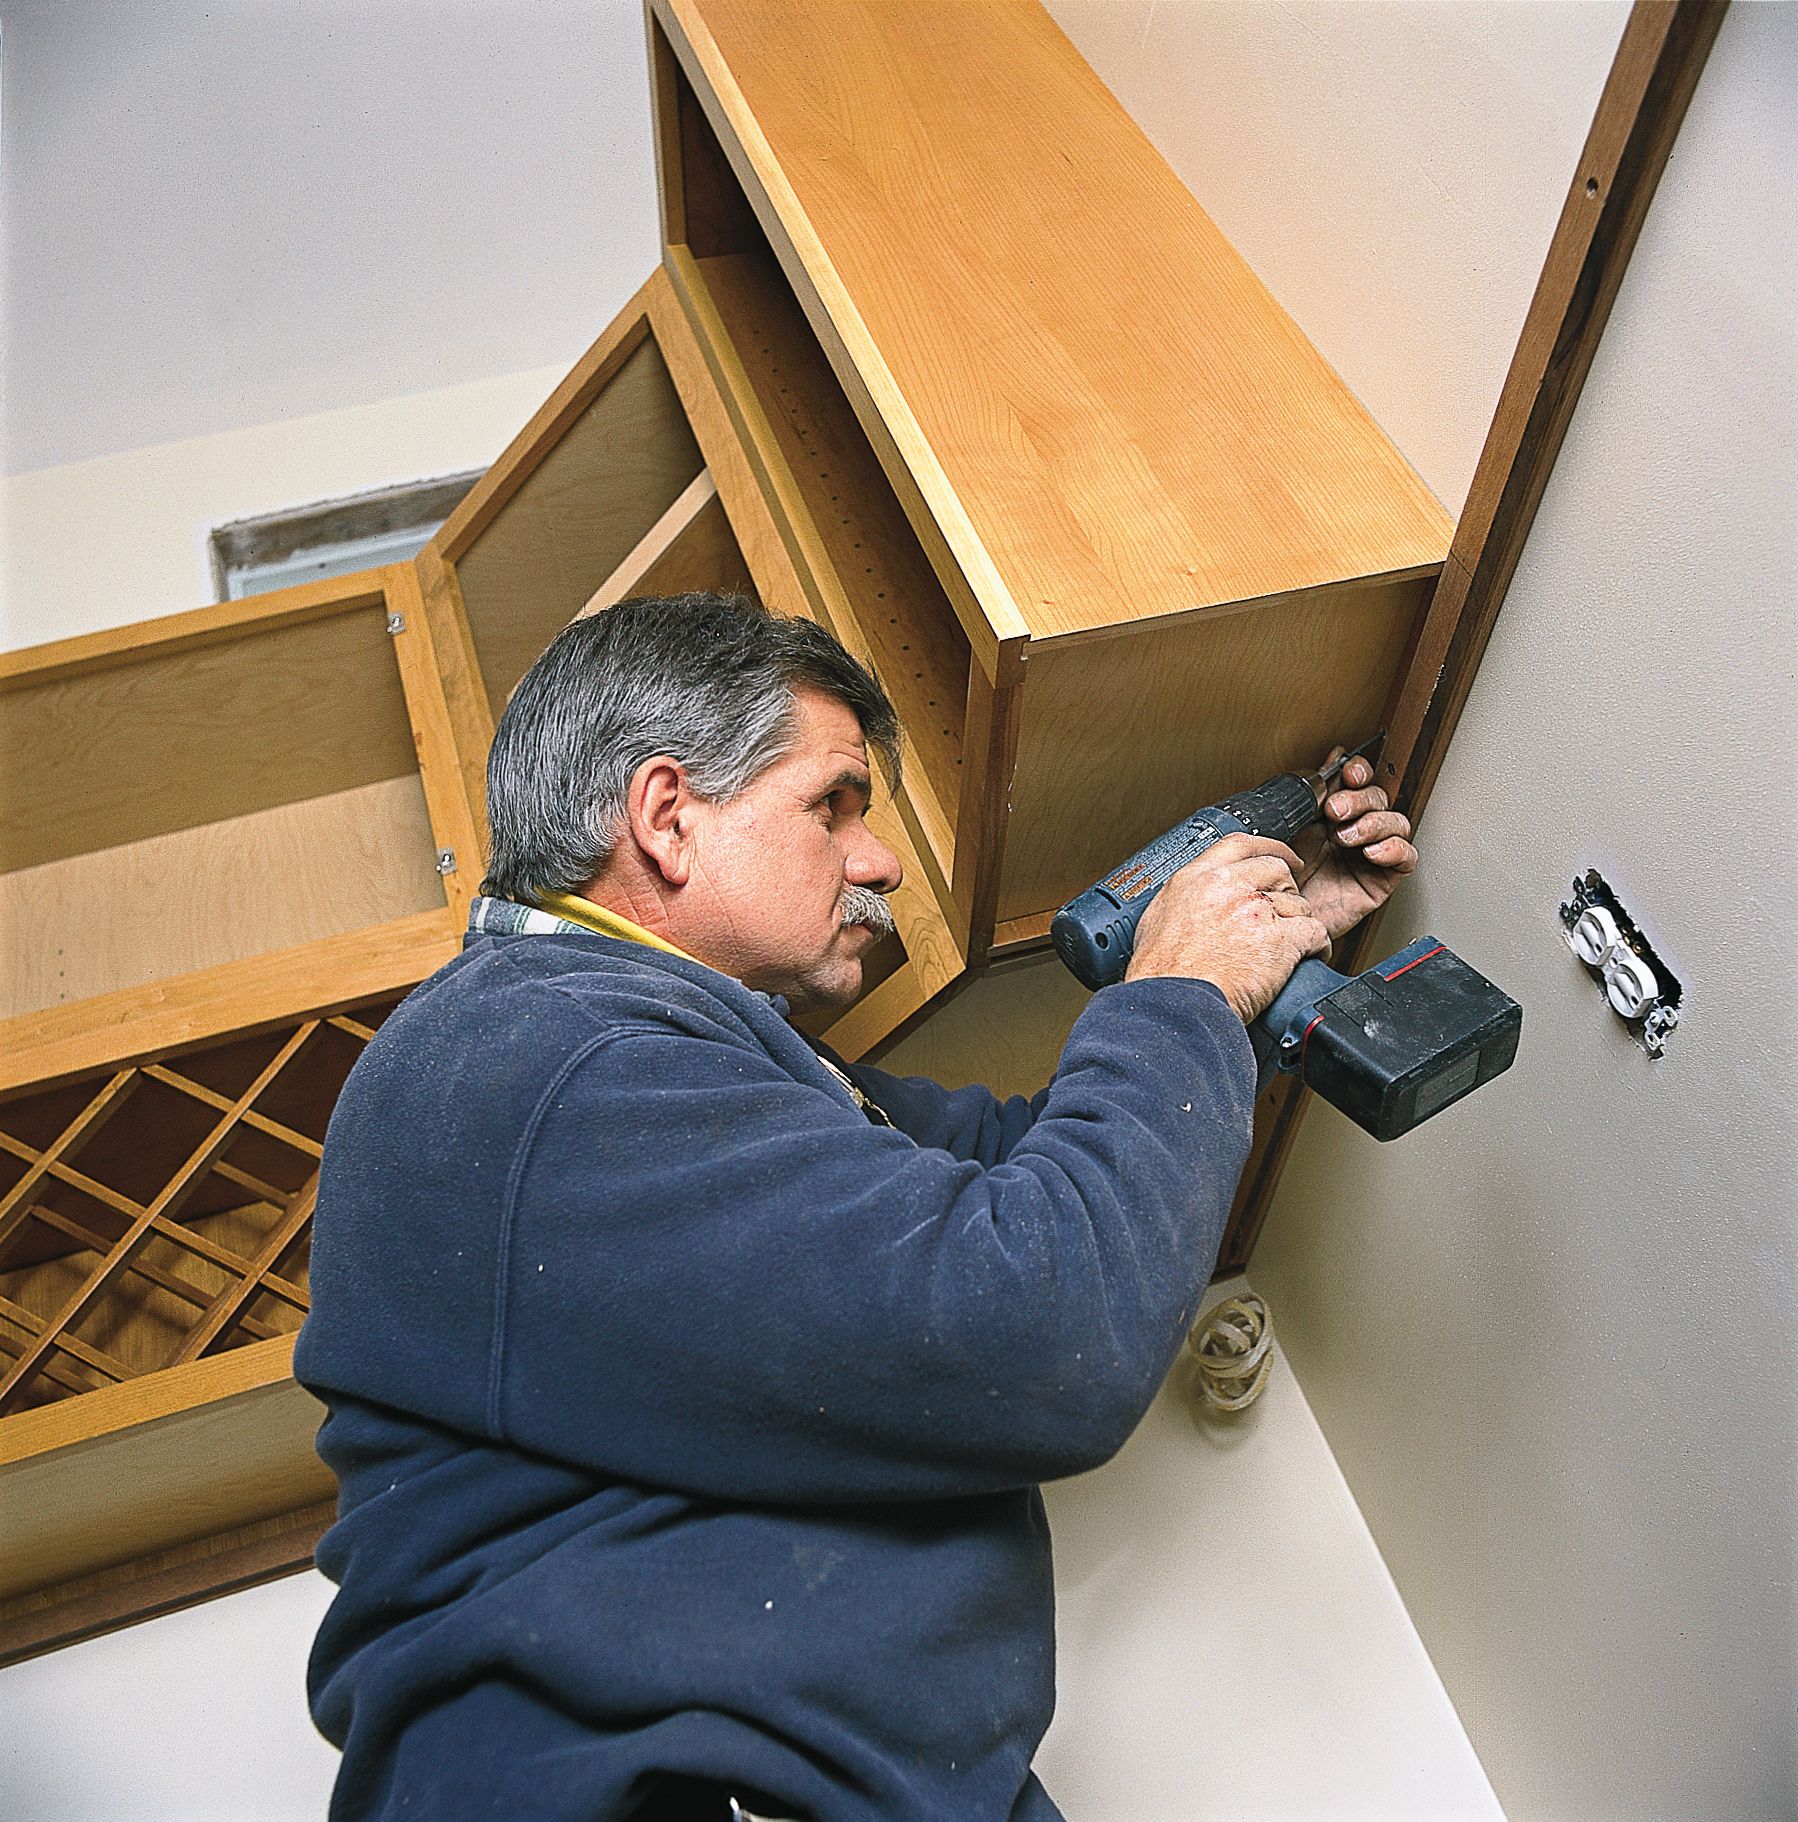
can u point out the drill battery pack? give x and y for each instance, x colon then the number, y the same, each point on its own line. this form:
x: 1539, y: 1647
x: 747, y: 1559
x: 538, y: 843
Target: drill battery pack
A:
x: 1396, y: 1044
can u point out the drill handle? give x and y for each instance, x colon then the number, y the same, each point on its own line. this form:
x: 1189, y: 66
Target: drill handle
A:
x: 1294, y: 1008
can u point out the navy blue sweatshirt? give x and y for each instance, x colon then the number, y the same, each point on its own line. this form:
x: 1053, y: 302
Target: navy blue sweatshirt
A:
x: 689, y: 1422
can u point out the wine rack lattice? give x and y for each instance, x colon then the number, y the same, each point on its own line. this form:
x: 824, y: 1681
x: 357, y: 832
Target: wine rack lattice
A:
x: 160, y: 1211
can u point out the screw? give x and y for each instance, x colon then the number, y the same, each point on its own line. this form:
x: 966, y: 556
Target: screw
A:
x: 396, y: 623
x: 446, y: 860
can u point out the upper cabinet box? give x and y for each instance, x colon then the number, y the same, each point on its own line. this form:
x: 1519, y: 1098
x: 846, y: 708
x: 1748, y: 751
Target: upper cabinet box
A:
x: 212, y: 789
x: 1036, y: 438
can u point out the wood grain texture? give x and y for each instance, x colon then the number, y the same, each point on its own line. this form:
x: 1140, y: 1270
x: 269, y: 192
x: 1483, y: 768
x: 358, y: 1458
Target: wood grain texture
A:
x: 880, y: 1011
x: 935, y: 950
x: 752, y: 522
x: 552, y: 421
x: 182, y: 732
x: 157, y: 1461
x: 630, y: 577
x: 705, y: 556
x: 1656, y: 68
x: 178, y: 903
x: 161, y: 1303
x: 714, y: 219
x: 1105, y: 411
x: 573, y: 515
x: 457, y: 818
x: 811, y: 560
x: 169, y: 1017
x: 459, y: 672
x: 160, y: 1582
x: 879, y: 592
x: 983, y: 821
x: 1121, y: 739
x: 88, y: 653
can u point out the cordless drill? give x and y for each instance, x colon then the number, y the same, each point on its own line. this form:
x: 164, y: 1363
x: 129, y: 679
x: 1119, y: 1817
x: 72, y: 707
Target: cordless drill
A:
x: 1389, y: 1047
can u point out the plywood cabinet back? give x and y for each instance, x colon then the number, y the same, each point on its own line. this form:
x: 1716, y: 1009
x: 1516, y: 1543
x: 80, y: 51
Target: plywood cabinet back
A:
x: 177, y: 799
x: 1108, y: 413
x: 165, y: 739
x: 1120, y: 739
x: 586, y: 500
x: 196, y: 898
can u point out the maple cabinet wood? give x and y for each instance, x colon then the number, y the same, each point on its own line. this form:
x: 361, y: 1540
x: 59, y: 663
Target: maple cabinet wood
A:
x: 211, y: 898
x: 1041, y: 445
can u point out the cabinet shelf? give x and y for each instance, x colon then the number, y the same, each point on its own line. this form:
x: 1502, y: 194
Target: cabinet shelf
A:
x: 875, y: 587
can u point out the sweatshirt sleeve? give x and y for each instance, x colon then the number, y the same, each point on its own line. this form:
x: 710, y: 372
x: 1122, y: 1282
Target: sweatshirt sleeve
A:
x: 970, y: 1123
x: 717, y: 1279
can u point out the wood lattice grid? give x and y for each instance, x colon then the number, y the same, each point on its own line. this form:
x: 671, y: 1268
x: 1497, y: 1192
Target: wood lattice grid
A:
x: 160, y: 1211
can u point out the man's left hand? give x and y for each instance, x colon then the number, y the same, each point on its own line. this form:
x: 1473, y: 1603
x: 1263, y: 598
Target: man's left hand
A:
x: 1367, y: 852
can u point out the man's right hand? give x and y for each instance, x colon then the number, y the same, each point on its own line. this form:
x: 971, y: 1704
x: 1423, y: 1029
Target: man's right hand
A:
x: 1233, y: 917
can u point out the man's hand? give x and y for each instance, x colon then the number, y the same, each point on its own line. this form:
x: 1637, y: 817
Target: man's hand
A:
x: 1233, y: 917
x: 1367, y: 852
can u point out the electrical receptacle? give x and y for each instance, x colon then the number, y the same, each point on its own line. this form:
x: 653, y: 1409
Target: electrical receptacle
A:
x: 1637, y: 984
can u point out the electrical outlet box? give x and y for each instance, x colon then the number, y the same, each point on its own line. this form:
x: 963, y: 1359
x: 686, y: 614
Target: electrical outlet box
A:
x: 1637, y: 984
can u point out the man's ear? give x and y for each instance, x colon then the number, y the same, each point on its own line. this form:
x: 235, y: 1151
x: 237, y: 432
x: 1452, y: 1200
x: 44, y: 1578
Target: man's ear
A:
x: 660, y: 810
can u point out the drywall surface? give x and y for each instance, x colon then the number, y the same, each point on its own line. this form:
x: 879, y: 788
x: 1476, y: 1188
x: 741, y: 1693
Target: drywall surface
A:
x: 219, y: 216
x: 1392, y: 169
x: 196, y: 1717
x: 121, y: 538
x: 1553, y: 1337
x: 1230, y: 1644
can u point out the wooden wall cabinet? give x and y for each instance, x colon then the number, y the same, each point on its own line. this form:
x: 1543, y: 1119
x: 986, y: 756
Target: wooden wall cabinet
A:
x: 940, y: 354
x: 221, y: 841
x: 1038, y: 441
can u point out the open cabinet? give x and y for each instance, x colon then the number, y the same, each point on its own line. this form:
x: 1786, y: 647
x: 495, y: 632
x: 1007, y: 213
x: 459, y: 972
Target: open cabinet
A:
x: 231, y: 841
x: 940, y: 354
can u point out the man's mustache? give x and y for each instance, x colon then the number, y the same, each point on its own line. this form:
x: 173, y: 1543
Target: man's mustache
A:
x: 860, y: 906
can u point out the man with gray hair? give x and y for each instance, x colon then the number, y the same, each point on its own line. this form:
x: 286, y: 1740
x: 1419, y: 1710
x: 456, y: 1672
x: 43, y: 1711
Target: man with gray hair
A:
x: 689, y: 1390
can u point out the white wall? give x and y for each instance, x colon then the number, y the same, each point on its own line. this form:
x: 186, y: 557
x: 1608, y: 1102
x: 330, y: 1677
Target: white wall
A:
x: 196, y: 1717
x: 1552, y: 1338
x: 123, y: 537
x: 222, y: 215
x: 1392, y: 169
x: 1231, y: 1647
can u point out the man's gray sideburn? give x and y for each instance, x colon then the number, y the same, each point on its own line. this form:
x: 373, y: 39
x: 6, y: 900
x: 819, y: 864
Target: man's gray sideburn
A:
x: 706, y: 679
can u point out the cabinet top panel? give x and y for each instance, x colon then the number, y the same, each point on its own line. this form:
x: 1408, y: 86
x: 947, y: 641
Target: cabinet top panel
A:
x: 1107, y: 413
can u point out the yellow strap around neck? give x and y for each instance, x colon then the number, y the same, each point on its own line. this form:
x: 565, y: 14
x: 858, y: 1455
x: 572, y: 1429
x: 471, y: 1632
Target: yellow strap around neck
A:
x: 589, y: 916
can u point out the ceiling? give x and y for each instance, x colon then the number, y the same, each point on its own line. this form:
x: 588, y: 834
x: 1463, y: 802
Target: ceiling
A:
x: 225, y: 212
